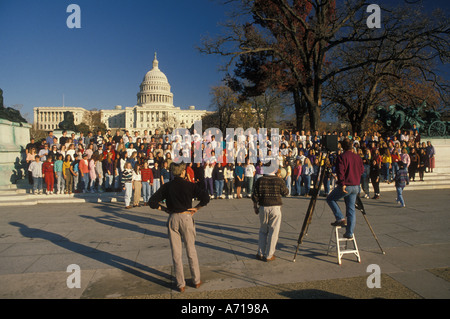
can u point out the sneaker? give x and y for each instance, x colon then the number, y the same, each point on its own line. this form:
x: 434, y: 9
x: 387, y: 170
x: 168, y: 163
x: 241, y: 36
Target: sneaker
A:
x: 339, y: 223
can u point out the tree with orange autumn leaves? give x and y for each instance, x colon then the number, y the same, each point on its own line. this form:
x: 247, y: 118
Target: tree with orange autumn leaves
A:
x: 304, y: 47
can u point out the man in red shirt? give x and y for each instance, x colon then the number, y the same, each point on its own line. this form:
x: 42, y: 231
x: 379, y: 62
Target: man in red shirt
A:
x: 349, y: 168
x: 83, y: 167
x: 109, y: 149
x: 48, y: 174
x: 147, y: 182
x: 190, y: 176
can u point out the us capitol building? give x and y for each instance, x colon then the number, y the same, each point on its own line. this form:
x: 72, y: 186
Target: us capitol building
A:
x: 154, y: 109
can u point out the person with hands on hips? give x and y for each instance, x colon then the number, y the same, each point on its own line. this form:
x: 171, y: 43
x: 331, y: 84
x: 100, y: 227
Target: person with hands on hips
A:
x: 178, y: 195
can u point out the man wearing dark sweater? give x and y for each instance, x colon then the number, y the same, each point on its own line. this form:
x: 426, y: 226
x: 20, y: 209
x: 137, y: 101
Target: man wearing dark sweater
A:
x: 349, y: 168
x: 267, y: 194
x: 178, y: 194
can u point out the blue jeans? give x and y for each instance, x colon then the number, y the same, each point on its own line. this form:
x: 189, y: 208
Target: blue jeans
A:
x: 248, y: 182
x: 394, y: 169
x: 37, y: 184
x: 218, y: 184
x: 85, y: 182
x: 146, y: 191
x: 156, y: 185
x: 400, y: 195
x: 109, y: 181
x: 307, y: 182
x: 385, y: 168
x: 326, y: 184
x: 298, y: 186
x: 350, y: 199
x: 289, y: 183
x: 365, y: 179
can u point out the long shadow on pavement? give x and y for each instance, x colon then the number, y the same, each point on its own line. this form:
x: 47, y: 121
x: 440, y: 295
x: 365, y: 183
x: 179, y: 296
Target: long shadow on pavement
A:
x: 134, y: 268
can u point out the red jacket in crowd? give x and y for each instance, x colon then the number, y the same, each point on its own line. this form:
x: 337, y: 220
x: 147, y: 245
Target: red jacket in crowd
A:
x: 147, y: 175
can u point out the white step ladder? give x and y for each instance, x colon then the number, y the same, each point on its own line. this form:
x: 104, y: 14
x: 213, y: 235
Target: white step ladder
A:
x: 336, y: 241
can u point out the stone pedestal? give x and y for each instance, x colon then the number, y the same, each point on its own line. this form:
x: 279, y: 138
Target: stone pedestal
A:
x: 13, y: 139
x: 442, y: 148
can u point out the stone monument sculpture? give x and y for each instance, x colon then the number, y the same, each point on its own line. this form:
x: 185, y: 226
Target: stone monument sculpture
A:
x: 8, y: 113
x: 398, y: 117
x: 69, y: 122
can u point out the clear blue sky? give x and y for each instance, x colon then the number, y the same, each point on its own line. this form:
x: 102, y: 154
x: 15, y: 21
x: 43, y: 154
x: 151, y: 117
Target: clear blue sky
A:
x: 103, y: 63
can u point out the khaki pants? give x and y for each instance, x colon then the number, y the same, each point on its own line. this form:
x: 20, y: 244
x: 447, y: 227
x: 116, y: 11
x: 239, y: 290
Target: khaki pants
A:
x: 69, y: 181
x: 137, y: 192
x: 181, y: 227
x: 270, y: 218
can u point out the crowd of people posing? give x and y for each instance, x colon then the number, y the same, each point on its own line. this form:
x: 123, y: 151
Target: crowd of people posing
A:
x: 139, y: 164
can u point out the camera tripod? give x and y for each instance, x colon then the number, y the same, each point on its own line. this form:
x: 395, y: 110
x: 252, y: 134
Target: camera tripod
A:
x: 312, y: 204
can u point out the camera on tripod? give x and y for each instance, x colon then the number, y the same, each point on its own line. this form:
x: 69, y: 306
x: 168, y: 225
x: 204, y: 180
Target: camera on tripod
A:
x: 330, y: 143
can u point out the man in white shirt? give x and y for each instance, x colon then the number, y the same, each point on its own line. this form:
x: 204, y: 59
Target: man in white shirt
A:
x: 135, y: 137
x: 302, y: 139
x: 43, y: 153
x: 126, y: 138
x: 249, y: 174
x: 146, y: 136
x: 35, y: 169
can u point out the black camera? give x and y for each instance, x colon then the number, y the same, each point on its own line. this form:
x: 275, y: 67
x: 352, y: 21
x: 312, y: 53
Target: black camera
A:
x: 330, y: 143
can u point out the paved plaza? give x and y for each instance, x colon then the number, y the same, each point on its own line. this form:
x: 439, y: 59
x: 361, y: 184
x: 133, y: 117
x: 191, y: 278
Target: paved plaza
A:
x: 125, y: 253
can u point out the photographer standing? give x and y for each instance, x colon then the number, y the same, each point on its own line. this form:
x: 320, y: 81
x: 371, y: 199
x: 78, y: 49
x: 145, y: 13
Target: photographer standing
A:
x: 178, y: 194
x: 267, y: 193
x: 349, y: 168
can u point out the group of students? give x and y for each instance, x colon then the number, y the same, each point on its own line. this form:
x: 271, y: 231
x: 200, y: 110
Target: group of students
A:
x: 139, y: 165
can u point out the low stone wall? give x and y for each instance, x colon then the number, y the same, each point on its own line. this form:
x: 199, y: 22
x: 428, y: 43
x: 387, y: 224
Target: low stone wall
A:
x: 13, y: 139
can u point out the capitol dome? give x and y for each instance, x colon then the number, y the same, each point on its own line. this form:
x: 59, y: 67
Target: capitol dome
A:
x: 155, y: 88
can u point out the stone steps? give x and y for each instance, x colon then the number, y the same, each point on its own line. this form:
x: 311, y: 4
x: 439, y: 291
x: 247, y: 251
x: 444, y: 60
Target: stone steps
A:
x: 24, y: 198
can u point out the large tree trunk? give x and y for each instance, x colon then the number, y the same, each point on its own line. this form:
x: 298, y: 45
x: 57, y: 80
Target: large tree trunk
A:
x: 313, y: 101
x: 300, y: 110
x: 314, y: 116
